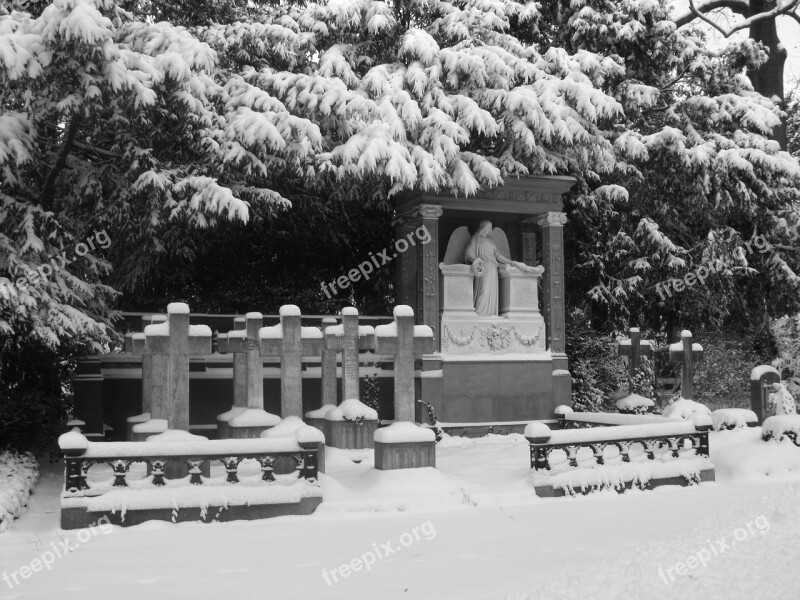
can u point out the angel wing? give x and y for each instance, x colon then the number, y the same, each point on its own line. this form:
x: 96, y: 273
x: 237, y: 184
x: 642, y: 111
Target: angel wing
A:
x: 501, y: 241
x: 457, y: 246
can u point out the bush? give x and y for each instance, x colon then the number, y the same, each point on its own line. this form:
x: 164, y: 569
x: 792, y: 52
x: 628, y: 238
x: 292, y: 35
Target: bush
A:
x: 35, y: 392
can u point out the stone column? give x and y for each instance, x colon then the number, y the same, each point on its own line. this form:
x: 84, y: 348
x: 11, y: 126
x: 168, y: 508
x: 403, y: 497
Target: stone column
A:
x: 528, y: 229
x: 351, y: 360
x: 428, y: 269
x: 552, y: 224
x: 239, y: 370
x: 406, y: 275
x: 328, y: 369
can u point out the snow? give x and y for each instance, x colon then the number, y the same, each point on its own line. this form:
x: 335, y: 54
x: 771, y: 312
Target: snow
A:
x: 403, y: 310
x: 781, y: 401
x: 634, y: 401
x: 73, y: 440
x: 777, y: 426
x: 388, y: 330
x: 352, y: 410
x: 563, y: 409
x: 311, y: 333
x: 239, y: 334
x: 197, y: 445
x: 422, y: 331
x: 560, y: 372
x: 617, y: 418
x: 204, y: 496
x: 177, y: 308
x: 161, y: 329
x: 349, y: 311
x: 338, y: 330
x: 320, y: 412
x: 733, y: 418
x: 271, y: 333
x: 142, y: 418
x: 678, y: 347
x: 401, y: 432
x: 537, y: 430
x: 600, y: 434
x: 309, y: 435
x: 254, y: 417
x: 284, y: 428
x: 683, y: 409
x: 199, y: 331
x: 253, y: 315
x: 228, y: 415
x: 604, y: 545
x: 151, y: 426
x: 175, y: 436
x: 289, y: 310
x: 19, y: 473
x: 759, y: 371
x: 615, y: 475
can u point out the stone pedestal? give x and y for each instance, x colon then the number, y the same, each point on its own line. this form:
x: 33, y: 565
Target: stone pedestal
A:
x: 251, y: 423
x: 350, y: 435
x: 316, y: 418
x: 403, y: 445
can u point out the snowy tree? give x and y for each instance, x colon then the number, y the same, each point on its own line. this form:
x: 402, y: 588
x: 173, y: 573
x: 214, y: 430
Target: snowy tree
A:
x: 759, y: 18
x: 697, y: 175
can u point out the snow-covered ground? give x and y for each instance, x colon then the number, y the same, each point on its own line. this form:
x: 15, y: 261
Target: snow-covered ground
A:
x: 470, y: 529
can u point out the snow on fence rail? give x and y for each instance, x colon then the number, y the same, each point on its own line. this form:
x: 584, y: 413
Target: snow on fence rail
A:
x: 284, y: 483
x: 674, y: 435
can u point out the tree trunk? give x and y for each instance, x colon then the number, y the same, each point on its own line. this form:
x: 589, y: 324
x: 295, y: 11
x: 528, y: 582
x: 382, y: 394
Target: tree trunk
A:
x: 768, y: 80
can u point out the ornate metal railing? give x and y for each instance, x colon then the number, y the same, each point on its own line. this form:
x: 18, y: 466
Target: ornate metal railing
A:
x: 192, y: 455
x: 674, y: 437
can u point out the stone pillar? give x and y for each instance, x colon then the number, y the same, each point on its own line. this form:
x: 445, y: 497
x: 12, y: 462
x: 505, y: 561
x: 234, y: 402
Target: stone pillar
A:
x: 350, y: 355
x: 154, y: 375
x: 239, y: 370
x: 406, y: 275
x: 552, y: 224
x: 328, y: 369
x: 528, y: 230
x: 428, y: 269
x: 291, y: 364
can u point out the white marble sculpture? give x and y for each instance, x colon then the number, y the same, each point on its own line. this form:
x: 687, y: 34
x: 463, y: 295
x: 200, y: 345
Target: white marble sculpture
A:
x: 485, y: 250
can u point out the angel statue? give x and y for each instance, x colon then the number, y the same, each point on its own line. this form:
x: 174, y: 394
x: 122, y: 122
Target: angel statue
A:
x: 486, y: 249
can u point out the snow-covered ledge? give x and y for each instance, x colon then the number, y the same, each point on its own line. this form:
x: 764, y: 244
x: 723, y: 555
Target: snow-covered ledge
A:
x: 404, y: 445
x: 351, y: 425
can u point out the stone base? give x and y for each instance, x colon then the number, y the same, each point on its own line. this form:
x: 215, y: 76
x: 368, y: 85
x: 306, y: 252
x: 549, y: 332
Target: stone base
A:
x: 493, y: 335
x: 483, y: 389
x: 404, y: 455
x: 548, y: 491
x: 79, y: 518
x: 350, y: 435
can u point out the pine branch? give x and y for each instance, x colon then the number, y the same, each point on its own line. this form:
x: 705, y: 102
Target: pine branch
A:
x: 46, y: 196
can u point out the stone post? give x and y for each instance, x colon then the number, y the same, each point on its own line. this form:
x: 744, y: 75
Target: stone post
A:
x: 761, y: 379
x: 687, y: 353
x: 291, y: 342
x: 404, y: 340
x: 328, y: 379
x: 428, y: 269
x: 350, y: 339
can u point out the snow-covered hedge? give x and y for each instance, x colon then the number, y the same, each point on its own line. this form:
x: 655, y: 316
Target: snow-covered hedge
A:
x: 780, y: 426
x: 733, y: 418
x: 18, y: 475
x: 634, y: 404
